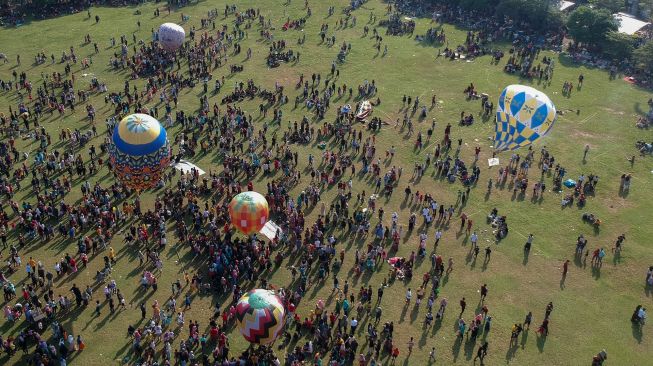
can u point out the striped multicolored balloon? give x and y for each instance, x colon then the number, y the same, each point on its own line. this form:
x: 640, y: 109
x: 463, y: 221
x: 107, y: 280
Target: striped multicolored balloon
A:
x: 260, y: 314
x: 249, y: 212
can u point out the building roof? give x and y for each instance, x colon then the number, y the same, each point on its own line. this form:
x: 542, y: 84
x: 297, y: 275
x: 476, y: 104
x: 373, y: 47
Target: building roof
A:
x: 565, y: 5
x: 628, y: 24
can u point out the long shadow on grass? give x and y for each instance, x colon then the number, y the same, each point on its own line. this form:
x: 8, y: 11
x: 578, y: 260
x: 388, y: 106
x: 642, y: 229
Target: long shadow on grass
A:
x: 455, y: 349
x: 637, y: 332
x: 541, y: 341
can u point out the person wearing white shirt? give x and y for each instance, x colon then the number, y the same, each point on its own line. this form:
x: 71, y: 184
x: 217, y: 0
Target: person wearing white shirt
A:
x: 474, y: 239
x: 438, y: 235
x: 353, y: 324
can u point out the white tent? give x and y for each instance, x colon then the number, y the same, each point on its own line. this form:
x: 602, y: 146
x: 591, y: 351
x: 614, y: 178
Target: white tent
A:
x: 186, y: 167
x: 270, y: 229
x: 628, y: 24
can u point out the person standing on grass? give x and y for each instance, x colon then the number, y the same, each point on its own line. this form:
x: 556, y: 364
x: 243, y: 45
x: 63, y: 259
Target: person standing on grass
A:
x: 443, y: 307
x: 484, y: 291
x: 544, y: 328
x: 395, y: 354
x: 473, y: 239
x: 411, y: 343
x: 463, y: 219
x: 482, y: 352
x: 565, y: 268
x: 353, y: 324
x: 529, y: 242
x: 379, y: 293
x: 587, y: 149
x: 463, y: 305
x: 528, y: 320
x: 549, y: 309
x: 617, y: 246
x: 479, y: 354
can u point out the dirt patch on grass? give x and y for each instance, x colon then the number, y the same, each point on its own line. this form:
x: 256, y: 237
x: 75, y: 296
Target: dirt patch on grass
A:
x: 614, y: 112
x: 583, y: 134
x: 615, y: 204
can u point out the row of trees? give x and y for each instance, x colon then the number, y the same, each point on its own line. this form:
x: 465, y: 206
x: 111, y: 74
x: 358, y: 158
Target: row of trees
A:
x: 597, y: 29
x: 539, y: 14
x: 590, y: 24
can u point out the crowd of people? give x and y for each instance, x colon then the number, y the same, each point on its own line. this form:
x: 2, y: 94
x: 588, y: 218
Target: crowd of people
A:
x: 192, y: 209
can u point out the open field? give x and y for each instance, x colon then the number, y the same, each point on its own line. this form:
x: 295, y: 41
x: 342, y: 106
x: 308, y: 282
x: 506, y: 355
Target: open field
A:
x: 592, y: 307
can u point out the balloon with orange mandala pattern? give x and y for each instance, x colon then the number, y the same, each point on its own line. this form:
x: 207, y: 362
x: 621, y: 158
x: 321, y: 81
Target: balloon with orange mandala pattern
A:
x: 140, y: 151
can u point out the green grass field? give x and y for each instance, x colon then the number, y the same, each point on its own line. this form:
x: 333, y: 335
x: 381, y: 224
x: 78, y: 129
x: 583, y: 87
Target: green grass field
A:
x: 592, y: 309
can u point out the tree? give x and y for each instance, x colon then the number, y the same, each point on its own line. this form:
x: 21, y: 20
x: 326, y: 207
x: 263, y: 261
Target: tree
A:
x: 590, y: 26
x: 618, y: 45
x: 644, y: 57
x: 645, y: 9
x: 613, y: 6
x: 480, y: 5
x: 539, y: 14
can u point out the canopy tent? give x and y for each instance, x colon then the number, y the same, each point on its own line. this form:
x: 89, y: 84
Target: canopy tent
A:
x: 186, y: 167
x: 629, y: 24
x: 270, y: 230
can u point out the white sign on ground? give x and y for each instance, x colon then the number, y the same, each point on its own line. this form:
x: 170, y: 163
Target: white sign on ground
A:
x: 493, y: 162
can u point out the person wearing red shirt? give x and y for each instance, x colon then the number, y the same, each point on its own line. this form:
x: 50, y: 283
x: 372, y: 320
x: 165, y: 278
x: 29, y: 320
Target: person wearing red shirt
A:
x: 395, y: 354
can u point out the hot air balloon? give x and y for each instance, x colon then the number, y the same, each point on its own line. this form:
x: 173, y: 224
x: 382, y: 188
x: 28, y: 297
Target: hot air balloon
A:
x: 140, y: 151
x: 249, y: 212
x: 260, y: 316
x: 171, y: 36
x: 524, y: 114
